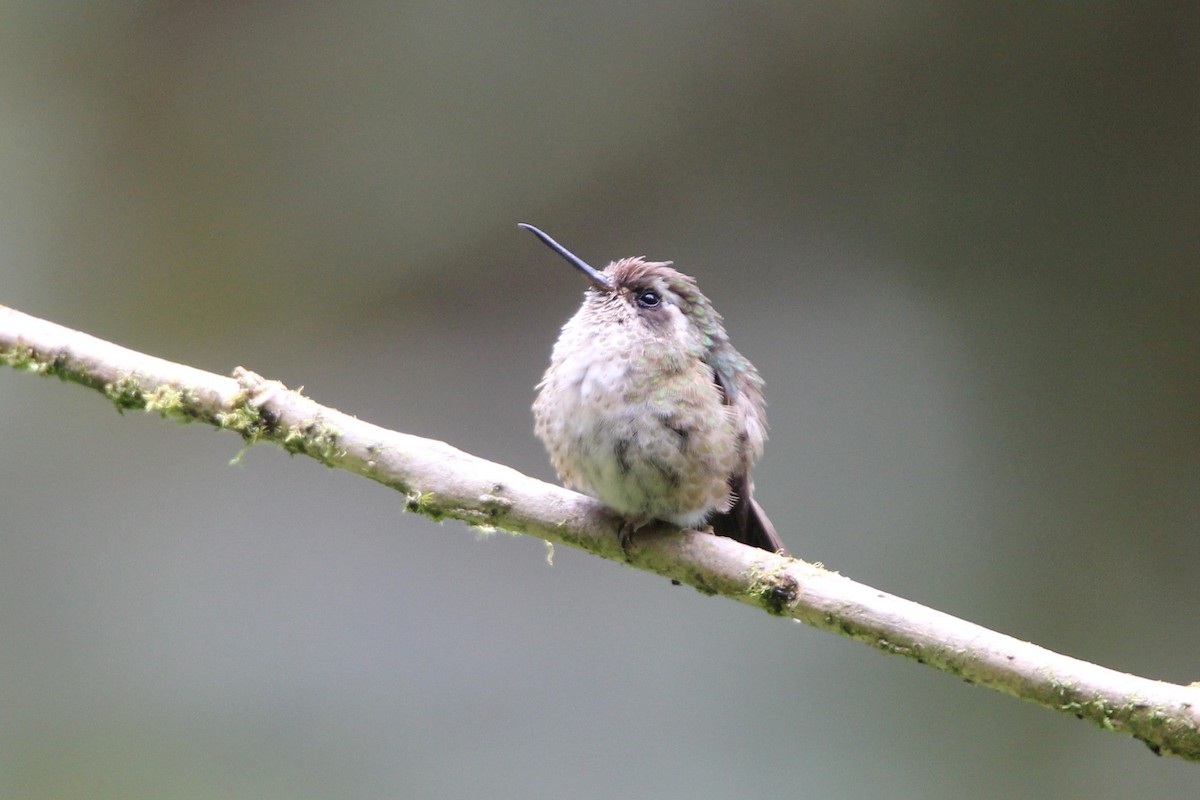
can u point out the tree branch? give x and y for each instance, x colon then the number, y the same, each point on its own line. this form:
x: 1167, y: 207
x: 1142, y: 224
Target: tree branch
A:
x: 440, y: 481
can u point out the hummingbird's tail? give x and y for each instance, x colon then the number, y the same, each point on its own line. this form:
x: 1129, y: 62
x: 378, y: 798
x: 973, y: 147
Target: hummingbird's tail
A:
x: 747, y: 523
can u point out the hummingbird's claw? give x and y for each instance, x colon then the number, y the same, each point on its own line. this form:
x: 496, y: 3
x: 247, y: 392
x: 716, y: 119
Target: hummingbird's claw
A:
x: 625, y: 535
x: 628, y: 528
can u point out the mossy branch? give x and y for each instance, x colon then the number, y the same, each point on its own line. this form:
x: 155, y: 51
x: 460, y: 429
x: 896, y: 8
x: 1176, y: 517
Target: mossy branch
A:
x: 440, y: 482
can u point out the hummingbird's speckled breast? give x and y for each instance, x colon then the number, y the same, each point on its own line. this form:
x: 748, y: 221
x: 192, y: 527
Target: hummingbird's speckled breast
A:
x: 631, y: 415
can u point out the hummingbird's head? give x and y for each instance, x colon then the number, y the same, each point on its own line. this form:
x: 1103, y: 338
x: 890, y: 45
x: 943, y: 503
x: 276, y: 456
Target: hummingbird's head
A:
x: 650, y: 294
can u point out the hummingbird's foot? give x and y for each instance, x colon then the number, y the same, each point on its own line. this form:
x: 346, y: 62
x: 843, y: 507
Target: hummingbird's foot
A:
x: 628, y: 528
x: 625, y: 534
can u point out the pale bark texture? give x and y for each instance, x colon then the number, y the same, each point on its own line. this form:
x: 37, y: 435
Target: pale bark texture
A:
x: 440, y: 481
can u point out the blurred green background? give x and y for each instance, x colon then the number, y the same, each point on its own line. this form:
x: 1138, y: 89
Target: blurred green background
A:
x: 960, y: 241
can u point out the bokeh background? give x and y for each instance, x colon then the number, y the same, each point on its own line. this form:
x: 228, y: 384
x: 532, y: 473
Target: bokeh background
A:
x: 961, y: 241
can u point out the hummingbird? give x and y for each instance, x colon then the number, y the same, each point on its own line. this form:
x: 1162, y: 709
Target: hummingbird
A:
x: 647, y: 407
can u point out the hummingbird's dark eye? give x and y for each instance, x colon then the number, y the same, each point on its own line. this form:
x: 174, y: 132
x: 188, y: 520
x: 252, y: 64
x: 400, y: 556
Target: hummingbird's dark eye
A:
x: 648, y: 298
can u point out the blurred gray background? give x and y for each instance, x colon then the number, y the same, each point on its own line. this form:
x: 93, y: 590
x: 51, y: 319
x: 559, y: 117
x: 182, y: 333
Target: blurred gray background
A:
x: 960, y: 241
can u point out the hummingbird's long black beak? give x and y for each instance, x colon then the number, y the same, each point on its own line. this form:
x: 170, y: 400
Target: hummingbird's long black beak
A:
x: 598, y: 279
